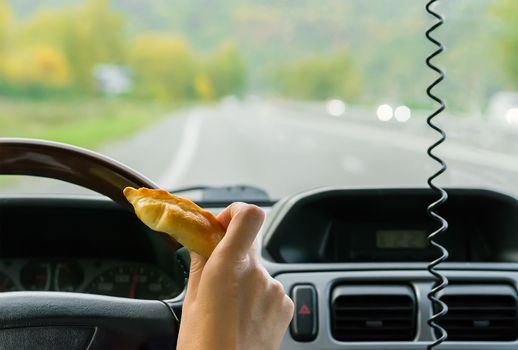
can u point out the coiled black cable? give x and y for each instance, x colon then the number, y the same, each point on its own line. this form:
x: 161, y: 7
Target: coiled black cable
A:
x: 438, y: 306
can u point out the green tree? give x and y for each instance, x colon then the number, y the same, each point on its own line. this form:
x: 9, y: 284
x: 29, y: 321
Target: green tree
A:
x: 91, y: 34
x: 320, y: 77
x: 99, y: 38
x: 226, y: 70
x: 507, y: 14
x: 164, y: 67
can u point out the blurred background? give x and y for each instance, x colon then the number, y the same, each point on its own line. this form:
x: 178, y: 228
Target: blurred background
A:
x: 323, y: 91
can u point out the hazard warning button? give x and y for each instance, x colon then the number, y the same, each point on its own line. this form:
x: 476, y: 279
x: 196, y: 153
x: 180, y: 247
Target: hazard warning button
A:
x: 304, y: 323
x: 304, y: 310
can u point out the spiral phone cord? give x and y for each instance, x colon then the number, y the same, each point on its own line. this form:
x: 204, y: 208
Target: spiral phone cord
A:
x: 439, y: 308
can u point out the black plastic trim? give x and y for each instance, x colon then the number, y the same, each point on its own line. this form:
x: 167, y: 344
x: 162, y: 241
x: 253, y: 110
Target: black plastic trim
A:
x: 118, y: 322
x: 290, y: 229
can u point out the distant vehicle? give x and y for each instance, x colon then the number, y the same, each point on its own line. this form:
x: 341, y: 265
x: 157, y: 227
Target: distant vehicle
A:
x: 503, y: 108
x: 336, y: 107
x: 111, y: 79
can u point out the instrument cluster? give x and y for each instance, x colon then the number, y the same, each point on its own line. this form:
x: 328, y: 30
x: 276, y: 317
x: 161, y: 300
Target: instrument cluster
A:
x: 112, y: 278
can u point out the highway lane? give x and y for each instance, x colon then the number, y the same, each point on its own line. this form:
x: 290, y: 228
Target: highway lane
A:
x: 287, y: 150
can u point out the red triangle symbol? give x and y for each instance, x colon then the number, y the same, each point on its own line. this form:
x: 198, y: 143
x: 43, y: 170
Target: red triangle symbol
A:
x: 304, y: 310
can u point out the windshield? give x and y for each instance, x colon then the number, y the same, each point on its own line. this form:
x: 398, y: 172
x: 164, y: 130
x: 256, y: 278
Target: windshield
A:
x: 282, y: 95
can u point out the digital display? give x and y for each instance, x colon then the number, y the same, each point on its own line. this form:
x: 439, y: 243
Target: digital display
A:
x: 401, y: 239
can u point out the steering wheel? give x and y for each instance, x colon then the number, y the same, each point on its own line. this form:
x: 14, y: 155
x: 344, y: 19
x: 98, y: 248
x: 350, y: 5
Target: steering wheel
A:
x: 54, y: 320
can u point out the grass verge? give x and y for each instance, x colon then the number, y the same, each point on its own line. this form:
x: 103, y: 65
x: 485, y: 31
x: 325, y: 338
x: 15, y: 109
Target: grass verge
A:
x: 85, y: 123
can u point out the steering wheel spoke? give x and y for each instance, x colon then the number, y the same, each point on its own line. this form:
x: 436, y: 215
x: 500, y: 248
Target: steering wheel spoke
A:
x: 44, y: 320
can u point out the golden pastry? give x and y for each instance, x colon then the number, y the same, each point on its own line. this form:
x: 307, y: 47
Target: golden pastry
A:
x: 180, y: 218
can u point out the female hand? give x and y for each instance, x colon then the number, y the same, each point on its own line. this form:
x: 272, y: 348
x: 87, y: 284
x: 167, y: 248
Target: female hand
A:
x: 232, y: 302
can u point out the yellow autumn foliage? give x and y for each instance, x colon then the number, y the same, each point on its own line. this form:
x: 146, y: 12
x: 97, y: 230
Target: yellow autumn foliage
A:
x: 164, y: 66
x: 54, y: 50
x: 41, y: 65
x: 5, y: 22
x: 204, y: 87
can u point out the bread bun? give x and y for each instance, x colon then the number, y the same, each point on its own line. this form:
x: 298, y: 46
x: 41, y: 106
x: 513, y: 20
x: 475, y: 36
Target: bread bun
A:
x: 193, y: 227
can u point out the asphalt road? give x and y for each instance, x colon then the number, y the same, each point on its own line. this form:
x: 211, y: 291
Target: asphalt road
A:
x: 286, y: 149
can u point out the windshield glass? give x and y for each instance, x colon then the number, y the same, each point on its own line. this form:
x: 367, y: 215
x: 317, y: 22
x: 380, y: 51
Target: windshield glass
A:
x: 283, y: 95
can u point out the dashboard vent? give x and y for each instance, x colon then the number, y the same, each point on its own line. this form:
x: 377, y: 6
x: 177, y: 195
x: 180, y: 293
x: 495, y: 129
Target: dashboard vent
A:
x: 480, y: 313
x: 373, y: 313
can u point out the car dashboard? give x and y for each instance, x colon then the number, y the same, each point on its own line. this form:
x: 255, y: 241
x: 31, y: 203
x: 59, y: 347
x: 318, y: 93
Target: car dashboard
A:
x: 85, y: 246
x: 355, y: 263
x: 353, y: 260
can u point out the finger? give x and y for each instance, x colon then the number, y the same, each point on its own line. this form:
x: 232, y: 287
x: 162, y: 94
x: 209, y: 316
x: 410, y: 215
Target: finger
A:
x: 254, y: 252
x: 245, y: 220
x: 225, y: 216
x: 195, y: 271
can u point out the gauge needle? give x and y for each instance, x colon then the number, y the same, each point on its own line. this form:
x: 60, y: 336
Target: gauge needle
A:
x: 133, y: 285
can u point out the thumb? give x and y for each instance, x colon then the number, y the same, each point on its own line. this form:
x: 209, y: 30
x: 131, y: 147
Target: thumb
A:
x: 243, y: 221
x: 195, y: 271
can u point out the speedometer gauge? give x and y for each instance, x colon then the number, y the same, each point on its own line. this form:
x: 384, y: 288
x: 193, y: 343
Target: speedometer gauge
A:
x: 138, y: 282
x: 68, y: 276
x: 6, y: 284
x: 35, y: 276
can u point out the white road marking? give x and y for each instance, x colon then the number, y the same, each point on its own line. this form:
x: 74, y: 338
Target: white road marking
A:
x: 177, y: 169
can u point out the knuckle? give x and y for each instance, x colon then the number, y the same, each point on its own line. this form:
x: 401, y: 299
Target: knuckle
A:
x: 258, y: 269
x: 277, y: 289
x: 258, y: 275
x: 250, y: 211
x: 223, y: 251
x: 229, y: 254
x: 238, y: 204
x: 226, y: 259
x: 288, y: 306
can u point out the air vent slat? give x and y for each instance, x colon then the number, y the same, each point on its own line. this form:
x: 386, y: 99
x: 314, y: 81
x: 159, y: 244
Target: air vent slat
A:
x: 479, y: 307
x: 378, y: 336
x: 373, y: 308
x: 340, y: 317
x: 379, y: 329
x: 490, y: 316
x: 373, y: 313
x: 471, y: 318
x: 480, y: 329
